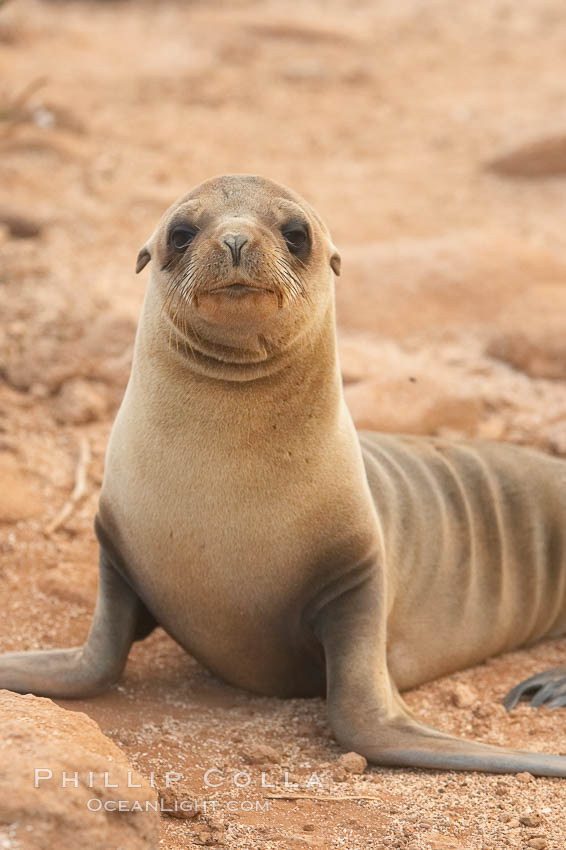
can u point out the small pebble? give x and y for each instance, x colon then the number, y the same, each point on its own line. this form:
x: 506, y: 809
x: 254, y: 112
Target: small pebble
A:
x: 352, y: 763
x: 261, y: 754
x: 462, y: 696
x: 530, y: 820
x: 339, y: 774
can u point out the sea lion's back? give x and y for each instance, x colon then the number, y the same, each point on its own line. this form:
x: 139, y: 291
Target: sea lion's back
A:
x: 477, y: 534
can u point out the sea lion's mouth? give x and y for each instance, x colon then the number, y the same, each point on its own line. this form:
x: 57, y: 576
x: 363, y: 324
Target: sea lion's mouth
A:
x: 241, y: 289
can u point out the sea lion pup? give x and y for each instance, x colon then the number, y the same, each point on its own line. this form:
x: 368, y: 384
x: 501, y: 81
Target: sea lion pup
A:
x: 241, y: 511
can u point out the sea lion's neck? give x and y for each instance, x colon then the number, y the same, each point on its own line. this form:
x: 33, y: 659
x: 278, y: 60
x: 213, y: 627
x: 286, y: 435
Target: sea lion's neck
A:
x: 301, y: 385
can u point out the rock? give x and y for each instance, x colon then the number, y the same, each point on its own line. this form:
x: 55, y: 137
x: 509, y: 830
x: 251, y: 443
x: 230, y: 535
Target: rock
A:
x: 43, y: 745
x: 462, y: 696
x: 513, y: 823
x: 556, y: 437
x: 339, y: 774
x: 493, y: 428
x: 524, y: 777
x: 205, y: 838
x: 460, y: 283
x: 210, y: 832
x: 175, y: 803
x: 306, y: 729
x: 261, y: 754
x: 363, y: 358
x: 488, y: 710
x: 355, y: 360
x: 537, y: 843
x: 71, y: 583
x: 539, y: 354
x: 541, y: 158
x: 99, y: 349
x: 295, y: 841
x: 531, y: 819
x: 436, y: 841
x: 352, y: 763
x: 421, y: 406
x: 80, y: 402
x: 20, y: 226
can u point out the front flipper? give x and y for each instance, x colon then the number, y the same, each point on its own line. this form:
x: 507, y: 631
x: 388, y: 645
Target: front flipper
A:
x: 119, y: 618
x: 548, y: 688
x: 367, y: 713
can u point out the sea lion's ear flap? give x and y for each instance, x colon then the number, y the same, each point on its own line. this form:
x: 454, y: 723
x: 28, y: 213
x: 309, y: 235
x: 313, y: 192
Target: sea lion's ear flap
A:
x: 145, y: 253
x: 143, y: 259
x: 336, y: 263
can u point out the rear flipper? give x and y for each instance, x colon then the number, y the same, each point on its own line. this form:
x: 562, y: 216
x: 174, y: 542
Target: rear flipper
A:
x: 548, y: 688
x: 367, y: 713
x: 119, y: 618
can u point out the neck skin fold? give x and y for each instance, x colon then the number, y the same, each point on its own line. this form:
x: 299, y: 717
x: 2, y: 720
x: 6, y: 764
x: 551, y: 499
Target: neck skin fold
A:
x: 302, y: 382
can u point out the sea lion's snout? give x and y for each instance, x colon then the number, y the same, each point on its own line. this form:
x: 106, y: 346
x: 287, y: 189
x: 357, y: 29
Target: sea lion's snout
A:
x: 235, y: 243
x: 237, y: 252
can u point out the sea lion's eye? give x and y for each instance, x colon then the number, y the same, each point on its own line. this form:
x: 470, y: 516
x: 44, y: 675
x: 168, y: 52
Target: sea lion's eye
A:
x: 181, y: 236
x: 297, y: 238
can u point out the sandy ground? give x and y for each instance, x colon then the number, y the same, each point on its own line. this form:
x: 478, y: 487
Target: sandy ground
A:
x: 384, y: 116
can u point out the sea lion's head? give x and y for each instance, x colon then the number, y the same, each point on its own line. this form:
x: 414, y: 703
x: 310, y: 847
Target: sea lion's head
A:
x: 243, y: 268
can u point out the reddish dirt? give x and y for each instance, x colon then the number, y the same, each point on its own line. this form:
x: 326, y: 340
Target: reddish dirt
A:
x: 451, y: 308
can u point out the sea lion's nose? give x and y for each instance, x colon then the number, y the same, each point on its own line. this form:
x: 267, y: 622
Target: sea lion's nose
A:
x: 235, y: 243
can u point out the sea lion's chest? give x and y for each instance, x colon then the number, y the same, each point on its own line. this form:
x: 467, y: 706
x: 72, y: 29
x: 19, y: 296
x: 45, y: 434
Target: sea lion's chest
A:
x: 215, y: 567
x: 227, y: 547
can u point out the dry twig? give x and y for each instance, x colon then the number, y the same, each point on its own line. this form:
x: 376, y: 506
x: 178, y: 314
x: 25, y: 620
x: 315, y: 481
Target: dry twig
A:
x: 79, y: 491
x: 336, y: 798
